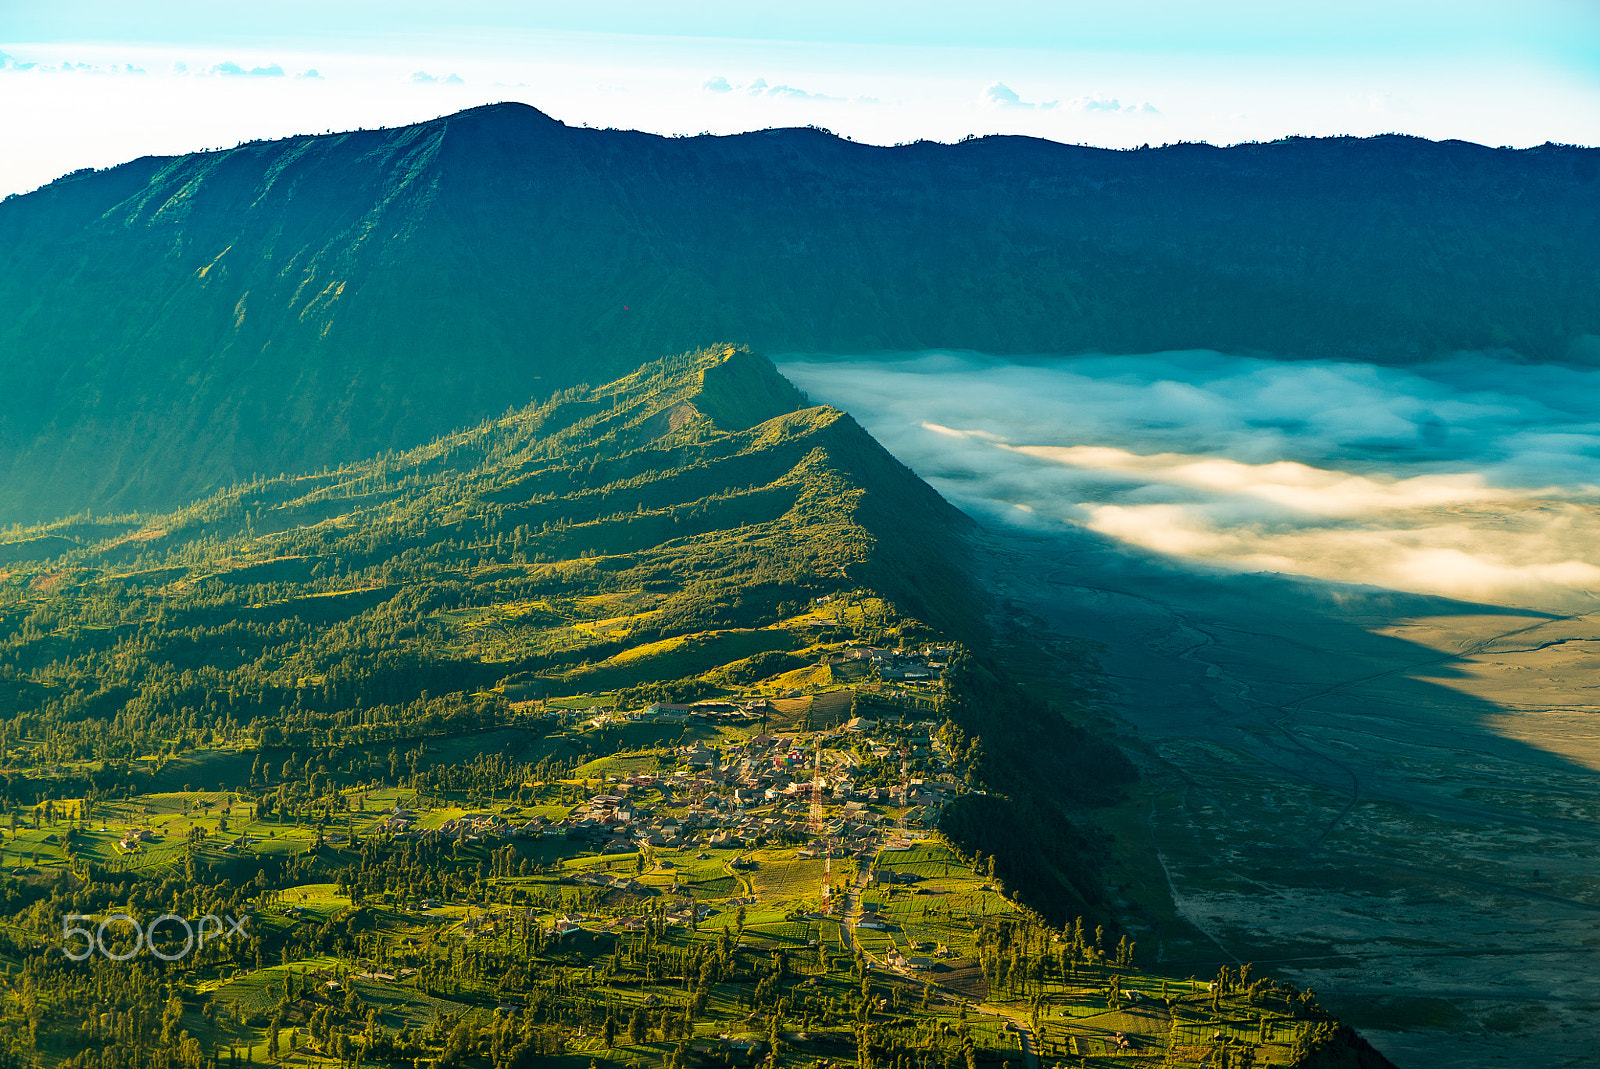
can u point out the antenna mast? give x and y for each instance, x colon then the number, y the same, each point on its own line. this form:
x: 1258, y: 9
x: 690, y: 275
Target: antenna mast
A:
x: 817, y: 821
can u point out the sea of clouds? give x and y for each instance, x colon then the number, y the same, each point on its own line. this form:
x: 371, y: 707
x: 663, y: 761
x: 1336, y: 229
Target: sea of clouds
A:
x: 1476, y: 477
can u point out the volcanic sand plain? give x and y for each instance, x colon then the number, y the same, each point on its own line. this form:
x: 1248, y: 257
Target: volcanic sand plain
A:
x: 1389, y: 798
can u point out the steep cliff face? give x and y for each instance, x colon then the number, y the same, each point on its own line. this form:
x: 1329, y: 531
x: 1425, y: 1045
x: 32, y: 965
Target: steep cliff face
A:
x: 1331, y: 1045
x: 173, y: 324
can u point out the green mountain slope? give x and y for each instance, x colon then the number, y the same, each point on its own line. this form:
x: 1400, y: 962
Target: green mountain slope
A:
x: 699, y: 496
x: 175, y: 325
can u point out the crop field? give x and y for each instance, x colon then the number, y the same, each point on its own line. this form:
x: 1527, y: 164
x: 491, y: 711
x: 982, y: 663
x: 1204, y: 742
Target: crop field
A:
x: 786, y: 933
x: 950, y: 920
x: 673, y: 658
x: 322, y: 900
x: 1177, y: 1037
x: 690, y: 868
x: 619, y: 765
x: 787, y: 878
x: 720, y: 887
x: 831, y: 708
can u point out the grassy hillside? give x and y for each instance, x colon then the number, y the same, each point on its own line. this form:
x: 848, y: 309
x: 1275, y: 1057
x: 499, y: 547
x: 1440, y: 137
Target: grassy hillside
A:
x: 638, y: 533
x: 172, y: 326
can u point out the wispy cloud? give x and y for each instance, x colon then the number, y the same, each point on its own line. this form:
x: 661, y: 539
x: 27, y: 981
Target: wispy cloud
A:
x: 1000, y: 95
x: 1472, y: 478
x: 230, y: 69
x: 1099, y: 103
x: 424, y: 78
x: 12, y: 63
x: 760, y: 88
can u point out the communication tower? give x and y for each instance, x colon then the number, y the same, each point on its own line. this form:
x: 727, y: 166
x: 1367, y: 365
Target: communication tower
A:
x: 817, y: 823
x: 816, y: 792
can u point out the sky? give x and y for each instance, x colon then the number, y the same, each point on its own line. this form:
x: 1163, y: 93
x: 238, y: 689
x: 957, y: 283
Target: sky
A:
x: 91, y: 83
x: 1474, y: 477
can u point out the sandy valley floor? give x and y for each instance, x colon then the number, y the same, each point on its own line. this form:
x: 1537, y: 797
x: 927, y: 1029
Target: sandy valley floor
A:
x: 1389, y: 798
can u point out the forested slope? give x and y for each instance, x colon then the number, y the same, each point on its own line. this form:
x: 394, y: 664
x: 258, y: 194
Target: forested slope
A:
x: 174, y: 325
x: 698, y: 495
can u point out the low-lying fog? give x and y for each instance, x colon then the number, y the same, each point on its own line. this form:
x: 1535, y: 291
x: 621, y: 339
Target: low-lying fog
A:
x: 1473, y: 477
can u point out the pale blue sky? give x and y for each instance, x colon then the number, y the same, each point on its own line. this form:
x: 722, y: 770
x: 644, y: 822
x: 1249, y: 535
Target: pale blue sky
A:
x: 93, y: 82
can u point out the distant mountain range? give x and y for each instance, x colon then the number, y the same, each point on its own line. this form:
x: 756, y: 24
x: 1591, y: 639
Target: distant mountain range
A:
x: 173, y: 325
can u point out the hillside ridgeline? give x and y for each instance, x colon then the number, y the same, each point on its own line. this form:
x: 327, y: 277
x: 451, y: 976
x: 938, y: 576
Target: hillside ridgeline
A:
x: 175, y: 325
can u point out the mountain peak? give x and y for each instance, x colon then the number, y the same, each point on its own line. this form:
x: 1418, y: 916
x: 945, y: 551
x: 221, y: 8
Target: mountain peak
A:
x: 506, y: 111
x: 739, y: 389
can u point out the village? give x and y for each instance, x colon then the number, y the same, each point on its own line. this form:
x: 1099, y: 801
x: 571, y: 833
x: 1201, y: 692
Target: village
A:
x: 802, y: 788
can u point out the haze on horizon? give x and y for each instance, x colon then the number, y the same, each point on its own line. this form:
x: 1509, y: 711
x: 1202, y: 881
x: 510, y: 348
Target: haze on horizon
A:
x: 90, y: 83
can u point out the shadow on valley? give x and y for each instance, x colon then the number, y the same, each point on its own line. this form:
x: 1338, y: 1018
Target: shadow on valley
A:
x: 1378, y: 793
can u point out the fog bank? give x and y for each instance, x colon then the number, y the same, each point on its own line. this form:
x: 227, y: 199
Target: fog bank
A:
x: 1474, y: 477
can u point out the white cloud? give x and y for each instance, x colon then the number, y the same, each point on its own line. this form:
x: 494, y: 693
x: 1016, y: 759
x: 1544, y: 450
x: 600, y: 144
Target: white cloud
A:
x: 424, y: 78
x: 1461, y: 560
x: 1473, y: 478
x: 1095, y: 103
x: 1000, y: 95
x: 1297, y: 487
x: 231, y: 69
x: 760, y: 89
x: 310, y: 75
x: 791, y: 93
x: 1099, y: 103
x: 11, y: 63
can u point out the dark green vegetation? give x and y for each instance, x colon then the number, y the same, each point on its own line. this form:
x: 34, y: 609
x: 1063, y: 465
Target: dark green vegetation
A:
x: 621, y: 535
x: 172, y: 326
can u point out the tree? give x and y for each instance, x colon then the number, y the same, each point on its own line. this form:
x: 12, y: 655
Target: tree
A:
x: 609, y: 1032
x: 638, y: 1026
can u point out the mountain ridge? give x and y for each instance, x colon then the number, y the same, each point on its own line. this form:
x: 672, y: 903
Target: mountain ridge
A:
x: 176, y: 324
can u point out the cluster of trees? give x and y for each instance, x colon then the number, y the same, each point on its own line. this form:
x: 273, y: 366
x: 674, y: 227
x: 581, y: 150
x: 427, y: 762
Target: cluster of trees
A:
x: 1019, y: 956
